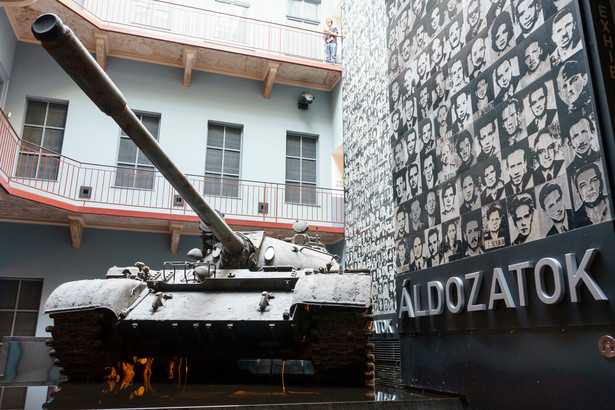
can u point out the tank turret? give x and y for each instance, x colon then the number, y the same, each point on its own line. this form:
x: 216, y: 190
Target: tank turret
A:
x: 256, y: 296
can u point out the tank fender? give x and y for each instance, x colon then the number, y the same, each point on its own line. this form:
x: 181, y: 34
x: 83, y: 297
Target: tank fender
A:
x: 334, y: 289
x: 113, y: 294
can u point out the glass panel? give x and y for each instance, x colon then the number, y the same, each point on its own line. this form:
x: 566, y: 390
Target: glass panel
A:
x: 151, y: 123
x: 56, y: 116
x: 144, y: 178
x: 293, y: 148
x: 33, y: 135
x: 30, y: 294
x: 294, y: 8
x: 25, y: 323
x: 27, y: 165
x: 124, y: 177
x: 215, y: 136
x: 308, y: 195
x: 308, y: 171
x: 8, y: 293
x: 35, y: 113
x: 231, y: 162
x: 14, y: 398
x: 233, y: 138
x: 292, y: 169
x: 53, y: 140
x: 292, y: 193
x: 6, y: 324
x: 142, y: 159
x: 310, y: 10
x: 212, y: 185
x: 230, y: 187
x: 213, y: 160
x: 309, y: 148
x: 48, y: 167
x: 128, y: 151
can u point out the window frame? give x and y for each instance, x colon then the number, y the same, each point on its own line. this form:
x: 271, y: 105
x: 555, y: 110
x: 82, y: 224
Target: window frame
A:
x: 27, y: 148
x: 16, y: 309
x: 301, y: 184
x: 223, y: 178
x: 301, y: 17
x: 134, y: 167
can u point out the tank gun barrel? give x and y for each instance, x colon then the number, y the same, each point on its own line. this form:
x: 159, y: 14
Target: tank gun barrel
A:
x: 74, y: 58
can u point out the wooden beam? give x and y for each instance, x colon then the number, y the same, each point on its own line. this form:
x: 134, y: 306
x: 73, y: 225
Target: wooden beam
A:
x: 189, y: 54
x: 270, y: 78
x: 76, y: 230
x: 102, y: 49
x: 176, y: 229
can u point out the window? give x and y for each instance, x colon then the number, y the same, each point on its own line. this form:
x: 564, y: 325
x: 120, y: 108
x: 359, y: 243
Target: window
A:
x: 152, y: 13
x: 13, y: 398
x: 43, y: 134
x: 303, y: 10
x: 19, y: 303
x: 240, y: 3
x: 301, y: 169
x: 222, y: 160
x: 134, y: 169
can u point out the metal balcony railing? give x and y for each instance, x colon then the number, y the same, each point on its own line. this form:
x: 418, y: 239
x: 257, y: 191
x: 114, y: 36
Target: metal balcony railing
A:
x: 180, y: 22
x: 32, y: 172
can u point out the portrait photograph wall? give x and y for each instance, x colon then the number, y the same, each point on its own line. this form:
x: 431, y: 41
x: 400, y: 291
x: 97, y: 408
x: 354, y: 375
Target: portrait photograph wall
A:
x: 493, y: 127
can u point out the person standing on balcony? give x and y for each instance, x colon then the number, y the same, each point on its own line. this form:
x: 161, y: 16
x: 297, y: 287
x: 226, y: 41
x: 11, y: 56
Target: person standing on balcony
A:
x: 331, y: 33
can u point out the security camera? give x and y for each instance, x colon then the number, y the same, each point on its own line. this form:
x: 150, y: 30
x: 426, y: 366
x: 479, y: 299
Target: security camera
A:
x: 305, y: 99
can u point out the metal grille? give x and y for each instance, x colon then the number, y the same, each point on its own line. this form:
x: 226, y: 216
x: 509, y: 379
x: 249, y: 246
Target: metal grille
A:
x: 388, y: 362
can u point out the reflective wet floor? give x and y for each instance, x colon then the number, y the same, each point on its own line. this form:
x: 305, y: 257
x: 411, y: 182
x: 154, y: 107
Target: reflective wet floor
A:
x: 243, y: 396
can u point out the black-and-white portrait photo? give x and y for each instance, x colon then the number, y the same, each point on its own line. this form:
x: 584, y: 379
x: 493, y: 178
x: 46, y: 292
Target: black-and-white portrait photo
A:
x: 518, y: 163
x: 433, y: 237
x: 472, y: 231
x: 533, y: 56
x: 540, y: 98
x: 492, y: 185
x: 483, y: 99
x: 401, y: 187
x: 432, y: 208
x: 487, y: 135
x: 495, y: 226
x: 417, y: 215
x: 430, y: 170
x: 469, y: 198
x: 592, y: 205
x: 451, y: 244
x: 425, y: 106
x: 475, y: 21
x: 457, y: 73
x: 573, y: 87
x: 506, y: 79
x: 455, y: 38
x: 524, y: 219
x: 449, y: 200
x: 414, y: 179
x: 461, y: 110
x: 477, y: 57
x: 410, y: 140
x: 582, y: 139
x: 527, y: 17
x: 448, y: 159
x: 501, y: 34
x: 512, y: 122
x: 464, y: 143
x: 549, y: 160
x: 428, y: 137
x: 565, y: 35
x: 555, y: 204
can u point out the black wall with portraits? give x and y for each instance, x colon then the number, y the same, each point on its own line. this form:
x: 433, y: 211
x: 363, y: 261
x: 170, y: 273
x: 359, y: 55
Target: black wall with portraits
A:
x: 500, y: 156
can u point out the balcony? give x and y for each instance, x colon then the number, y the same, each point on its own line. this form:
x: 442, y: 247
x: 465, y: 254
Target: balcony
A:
x: 192, y: 38
x: 45, y: 187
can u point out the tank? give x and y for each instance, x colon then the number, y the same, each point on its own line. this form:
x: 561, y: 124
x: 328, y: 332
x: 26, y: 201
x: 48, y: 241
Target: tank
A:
x: 237, y: 296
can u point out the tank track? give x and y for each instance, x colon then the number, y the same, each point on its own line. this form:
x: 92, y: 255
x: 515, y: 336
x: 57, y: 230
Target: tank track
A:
x: 341, y: 352
x: 85, y: 343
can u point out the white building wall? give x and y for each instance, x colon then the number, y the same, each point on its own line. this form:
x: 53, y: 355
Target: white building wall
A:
x: 93, y: 137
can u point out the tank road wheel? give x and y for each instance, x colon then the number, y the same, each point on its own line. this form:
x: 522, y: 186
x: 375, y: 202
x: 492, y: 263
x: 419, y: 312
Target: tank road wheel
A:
x: 85, y: 343
x: 340, y: 350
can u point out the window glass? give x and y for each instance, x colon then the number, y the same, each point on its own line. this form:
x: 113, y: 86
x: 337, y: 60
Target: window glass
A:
x: 223, y: 160
x: 135, y: 170
x: 301, y: 169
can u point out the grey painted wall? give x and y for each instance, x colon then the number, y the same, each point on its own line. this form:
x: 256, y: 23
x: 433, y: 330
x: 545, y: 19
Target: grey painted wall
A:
x: 8, y: 43
x: 45, y: 252
x: 92, y: 137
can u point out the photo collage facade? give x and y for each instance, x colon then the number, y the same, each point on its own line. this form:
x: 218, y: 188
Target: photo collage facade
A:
x: 368, y: 193
x: 494, y: 138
